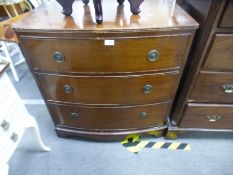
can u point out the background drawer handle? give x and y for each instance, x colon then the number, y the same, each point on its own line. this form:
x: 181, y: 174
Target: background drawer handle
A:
x: 227, y: 88
x: 14, y: 137
x: 153, y: 55
x: 147, y: 89
x: 67, y: 89
x: 143, y: 115
x: 213, y: 118
x: 74, y: 115
x: 5, y: 125
x: 59, y: 57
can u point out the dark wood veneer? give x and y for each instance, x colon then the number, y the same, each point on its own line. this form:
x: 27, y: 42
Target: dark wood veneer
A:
x: 116, y: 135
x: 116, y: 90
x: 221, y: 53
x: 68, y: 7
x: 155, y: 16
x: 197, y: 116
x: 227, y: 19
x: 208, y: 69
x: 107, y: 82
x: 209, y: 88
x: 101, y: 58
x: 108, y: 118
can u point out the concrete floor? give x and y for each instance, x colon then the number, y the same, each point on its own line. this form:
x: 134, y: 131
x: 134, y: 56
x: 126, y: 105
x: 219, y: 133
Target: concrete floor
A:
x: 211, y: 153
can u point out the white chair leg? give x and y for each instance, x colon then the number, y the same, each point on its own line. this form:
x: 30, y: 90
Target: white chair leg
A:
x: 19, y: 62
x: 15, y: 51
x: 8, y: 57
x: 31, y: 123
x: 22, y: 59
x: 173, y: 7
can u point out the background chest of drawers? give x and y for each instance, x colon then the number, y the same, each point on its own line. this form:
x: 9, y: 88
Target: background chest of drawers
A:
x: 205, y: 101
x: 110, y: 80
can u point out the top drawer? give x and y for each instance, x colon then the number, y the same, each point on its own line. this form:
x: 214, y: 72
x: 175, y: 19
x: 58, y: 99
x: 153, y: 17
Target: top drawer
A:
x: 227, y: 19
x: 220, y: 56
x: 93, y: 55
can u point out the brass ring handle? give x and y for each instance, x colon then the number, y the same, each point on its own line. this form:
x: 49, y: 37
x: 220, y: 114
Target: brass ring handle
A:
x: 147, y: 89
x: 59, y: 57
x: 5, y: 125
x: 14, y: 137
x: 74, y: 115
x: 143, y: 115
x: 227, y: 88
x: 213, y: 118
x: 67, y: 89
x: 153, y: 55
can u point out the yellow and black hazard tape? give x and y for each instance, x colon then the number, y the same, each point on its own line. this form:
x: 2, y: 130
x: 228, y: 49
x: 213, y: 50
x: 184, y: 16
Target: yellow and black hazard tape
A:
x: 136, y: 146
x: 133, y: 144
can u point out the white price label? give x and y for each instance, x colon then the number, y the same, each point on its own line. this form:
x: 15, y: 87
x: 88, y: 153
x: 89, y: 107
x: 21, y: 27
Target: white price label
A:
x: 109, y: 42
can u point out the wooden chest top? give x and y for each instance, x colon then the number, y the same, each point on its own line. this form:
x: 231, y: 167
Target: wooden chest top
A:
x: 155, y: 15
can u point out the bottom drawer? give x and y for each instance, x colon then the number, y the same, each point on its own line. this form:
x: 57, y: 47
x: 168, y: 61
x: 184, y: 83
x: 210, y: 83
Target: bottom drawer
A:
x: 86, y: 117
x: 210, y: 116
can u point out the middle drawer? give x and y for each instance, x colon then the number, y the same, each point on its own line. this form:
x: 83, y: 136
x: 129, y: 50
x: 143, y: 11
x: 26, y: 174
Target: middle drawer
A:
x: 116, y: 90
x: 213, y: 88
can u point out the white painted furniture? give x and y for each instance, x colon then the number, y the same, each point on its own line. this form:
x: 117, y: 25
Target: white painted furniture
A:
x: 9, y: 50
x: 14, y: 119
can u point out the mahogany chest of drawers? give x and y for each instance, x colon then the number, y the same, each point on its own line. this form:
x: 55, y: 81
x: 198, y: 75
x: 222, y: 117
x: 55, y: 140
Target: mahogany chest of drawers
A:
x: 205, y: 98
x: 106, y: 81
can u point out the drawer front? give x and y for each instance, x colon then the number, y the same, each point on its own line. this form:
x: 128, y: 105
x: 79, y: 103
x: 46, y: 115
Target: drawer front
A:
x: 110, y: 89
x: 213, y: 88
x: 127, y: 55
x: 220, y: 57
x: 11, y: 114
x: 227, y: 19
x: 10, y: 138
x: 207, y: 116
x: 125, y: 117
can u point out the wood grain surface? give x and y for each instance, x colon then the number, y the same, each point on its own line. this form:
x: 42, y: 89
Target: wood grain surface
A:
x: 6, y: 31
x: 108, y: 90
x: 196, y: 116
x: 209, y: 88
x: 227, y: 19
x: 107, y: 82
x: 154, y: 15
x: 220, y: 55
x: 125, y: 117
x: 93, y: 55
